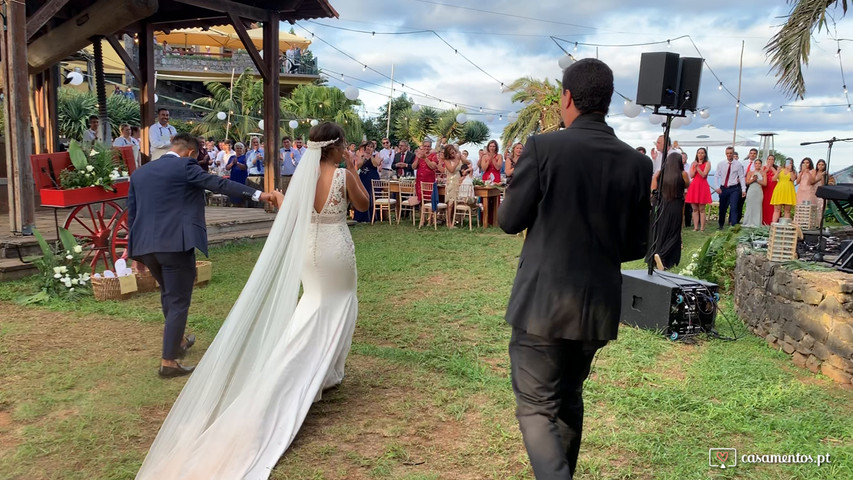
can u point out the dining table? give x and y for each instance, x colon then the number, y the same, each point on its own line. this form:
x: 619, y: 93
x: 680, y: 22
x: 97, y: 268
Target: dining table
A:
x: 489, y: 195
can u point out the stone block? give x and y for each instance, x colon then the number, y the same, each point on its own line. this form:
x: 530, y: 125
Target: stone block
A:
x: 830, y: 305
x: 807, y: 342
x: 843, y: 332
x: 820, y: 351
x: 813, y: 364
x: 836, y: 374
x: 776, y: 330
x: 771, y: 339
x: 800, y: 359
x: 840, y: 363
x: 846, y: 287
x: 812, y: 296
x: 788, y: 348
x: 793, y: 331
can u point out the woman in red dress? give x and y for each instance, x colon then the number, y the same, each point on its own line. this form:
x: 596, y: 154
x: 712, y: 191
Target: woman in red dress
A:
x: 491, y: 163
x: 426, y: 164
x: 699, y: 192
x: 770, y: 171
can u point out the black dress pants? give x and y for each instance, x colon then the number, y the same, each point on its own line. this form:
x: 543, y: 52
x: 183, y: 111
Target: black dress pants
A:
x: 175, y: 272
x: 547, y: 378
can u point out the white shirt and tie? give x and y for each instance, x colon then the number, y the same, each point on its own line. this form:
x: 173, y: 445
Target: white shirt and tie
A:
x: 161, y: 139
x: 730, y: 174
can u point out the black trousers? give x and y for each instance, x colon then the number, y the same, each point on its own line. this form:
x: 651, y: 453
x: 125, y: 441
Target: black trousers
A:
x: 547, y: 378
x: 730, y: 200
x: 175, y: 272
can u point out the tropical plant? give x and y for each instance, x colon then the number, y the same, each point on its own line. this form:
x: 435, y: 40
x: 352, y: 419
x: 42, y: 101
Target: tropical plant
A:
x: 98, y: 168
x: 472, y: 131
x: 314, y: 102
x: 789, y: 49
x: 401, y: 107
x: 541, y: 113
x: 61, y: 270
x: 121, y: 109
x: 242, y: 107
x: 74, y: 108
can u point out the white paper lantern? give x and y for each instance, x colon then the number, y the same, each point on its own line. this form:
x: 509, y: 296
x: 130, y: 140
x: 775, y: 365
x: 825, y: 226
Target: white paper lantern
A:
x: 416, y: 108
x: 293, y: 124
x: 75, y: 78
x: 221, y: 115
x: 565, y: 61
x: 704, y: 113
x: 314, y: 123
x: 461, y: 118
x: 351, y: 93
x: 261, y: 53
x: 632, y: 109
x: 261, y: 124
x: 655, y: 119
x: 156, y: 98
x: 687, y: 120
x: 677, y: 122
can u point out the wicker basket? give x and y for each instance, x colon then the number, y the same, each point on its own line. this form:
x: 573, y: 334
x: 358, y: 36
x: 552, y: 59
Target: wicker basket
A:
x: 145, y: 282
x: 109, y: 289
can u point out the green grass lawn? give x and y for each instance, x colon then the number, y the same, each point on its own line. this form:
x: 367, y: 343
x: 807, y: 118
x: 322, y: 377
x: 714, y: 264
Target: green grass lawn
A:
x: 427, y: 393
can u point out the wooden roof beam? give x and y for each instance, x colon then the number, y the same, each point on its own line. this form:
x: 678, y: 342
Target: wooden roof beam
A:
x: 125, y: 57
x: 230, y: 7
x: 43, y: 15
x: 237, y: 23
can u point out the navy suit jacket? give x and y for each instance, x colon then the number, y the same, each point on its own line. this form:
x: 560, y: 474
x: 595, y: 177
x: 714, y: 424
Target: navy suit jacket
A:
x: 583, y: 195
x: 165, y: 205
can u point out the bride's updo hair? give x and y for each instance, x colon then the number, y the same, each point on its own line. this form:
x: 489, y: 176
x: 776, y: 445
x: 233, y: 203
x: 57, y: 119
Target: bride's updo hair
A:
x: 325, y: 132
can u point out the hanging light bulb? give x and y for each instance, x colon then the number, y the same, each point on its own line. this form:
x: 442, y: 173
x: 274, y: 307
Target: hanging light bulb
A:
x: 838, y: 52
x: 481, y: 109
x: 769, y: 113
x: 576, y: 46
x: 668, y: 44
x: 500, y: 117
x: 848, y: 107
x: 502, y: 87
x: 342, y: 76
x: 372, y: 34
x: 720, y: 86
x: 737, y: 105
x: 364, y: 68
x: 781, y: 108
x: 757, y: 114
x: 845, y: 89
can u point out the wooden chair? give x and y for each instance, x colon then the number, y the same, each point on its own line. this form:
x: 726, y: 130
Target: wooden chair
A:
x: 426, y: 205
x: 407, y: 192
x: 382, y: 200
x: 463, y: 209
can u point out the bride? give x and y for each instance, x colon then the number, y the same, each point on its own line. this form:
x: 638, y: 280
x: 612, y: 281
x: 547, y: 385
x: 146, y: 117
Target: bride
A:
x: 275, y: 352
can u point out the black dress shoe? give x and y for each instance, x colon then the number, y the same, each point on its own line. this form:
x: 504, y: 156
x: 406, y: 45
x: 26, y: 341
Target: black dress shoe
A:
x: 182, y: 351
x: 171, y: 372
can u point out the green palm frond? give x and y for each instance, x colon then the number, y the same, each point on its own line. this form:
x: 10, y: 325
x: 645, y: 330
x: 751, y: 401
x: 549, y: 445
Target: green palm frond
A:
x: 789, y: 49
x: 541, y: 113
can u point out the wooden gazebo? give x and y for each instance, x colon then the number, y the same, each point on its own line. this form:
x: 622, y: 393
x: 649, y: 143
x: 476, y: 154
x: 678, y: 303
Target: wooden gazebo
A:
x: 41, y: 33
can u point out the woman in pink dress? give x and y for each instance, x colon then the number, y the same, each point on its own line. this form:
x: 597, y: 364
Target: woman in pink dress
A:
x: 806, y: 189
x: 699, y: 192
x: 491, y: 163
x: 770, y: 171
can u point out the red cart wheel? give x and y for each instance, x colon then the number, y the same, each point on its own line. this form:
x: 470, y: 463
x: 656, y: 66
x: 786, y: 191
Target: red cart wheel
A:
x: 92, y: 225
x: 118, y: 239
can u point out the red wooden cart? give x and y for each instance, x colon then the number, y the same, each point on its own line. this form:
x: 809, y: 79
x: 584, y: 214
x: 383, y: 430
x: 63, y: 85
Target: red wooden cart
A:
x: 97, y: 219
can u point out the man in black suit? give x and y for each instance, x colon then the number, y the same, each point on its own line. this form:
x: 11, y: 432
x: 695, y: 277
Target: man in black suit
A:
x: 165, y: 215
x: 583, y: 196
x: 403, y: 160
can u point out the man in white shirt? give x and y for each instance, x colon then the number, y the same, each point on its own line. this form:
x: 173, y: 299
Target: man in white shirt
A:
x: 731, y: 187
x: 161, y: 134
x: 92, y: 135
x: 255, y: 157
x: 299, y: 146
x: 289, y: 161
x: 387, y: 160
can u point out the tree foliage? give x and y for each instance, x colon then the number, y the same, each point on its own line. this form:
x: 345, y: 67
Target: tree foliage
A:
x: 541, y: 112
x: 315, y: 102
x: 400, y: 108
x: 74, y: 108
x: 415, y: 126
x: 244, y: 105
x: 790, y: 47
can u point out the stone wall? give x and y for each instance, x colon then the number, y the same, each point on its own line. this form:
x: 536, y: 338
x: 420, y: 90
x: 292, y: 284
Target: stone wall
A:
x: 806, y: 314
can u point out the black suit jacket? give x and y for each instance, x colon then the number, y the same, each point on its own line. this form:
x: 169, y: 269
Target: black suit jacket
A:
x: 583, y: 195
x: 408, y: 159
x: 165, y: 205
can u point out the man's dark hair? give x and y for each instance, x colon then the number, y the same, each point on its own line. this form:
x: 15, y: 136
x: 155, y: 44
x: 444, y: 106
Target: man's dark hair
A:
x: 93, y: 117
x: 590, y: 82
x: 753, y: 150
x: 286, y: 137
x: 186, y: 141
x: 161, y: 109
x: 228, y: 142
x: 641, y: 150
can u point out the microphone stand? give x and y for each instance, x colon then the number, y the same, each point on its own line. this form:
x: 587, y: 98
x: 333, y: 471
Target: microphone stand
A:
x: 821, y: 243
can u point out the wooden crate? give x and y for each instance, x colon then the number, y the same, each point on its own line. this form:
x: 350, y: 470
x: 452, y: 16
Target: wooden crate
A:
x: 806, y: 216
x: 782, y: 244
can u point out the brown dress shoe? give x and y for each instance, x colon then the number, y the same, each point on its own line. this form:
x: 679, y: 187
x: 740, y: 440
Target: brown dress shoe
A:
x: 171, y: 372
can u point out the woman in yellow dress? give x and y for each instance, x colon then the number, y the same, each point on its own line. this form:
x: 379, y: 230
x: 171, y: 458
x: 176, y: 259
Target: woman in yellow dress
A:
x: 784, y: 195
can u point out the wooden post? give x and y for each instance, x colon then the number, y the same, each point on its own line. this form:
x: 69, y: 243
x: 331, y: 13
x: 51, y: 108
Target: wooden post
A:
x: 51, y: 133
x: 272, y: 109
x: 106, y: 132
x: 18, y: 133
x: 146, y: 89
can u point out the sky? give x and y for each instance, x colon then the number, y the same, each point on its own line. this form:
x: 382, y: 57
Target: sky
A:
x: 508, y: 42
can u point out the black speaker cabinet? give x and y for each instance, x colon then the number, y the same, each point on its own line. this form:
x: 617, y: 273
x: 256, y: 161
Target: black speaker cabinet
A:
x: 658, y: 77
x: 668, y: 303
x: 690, y: 75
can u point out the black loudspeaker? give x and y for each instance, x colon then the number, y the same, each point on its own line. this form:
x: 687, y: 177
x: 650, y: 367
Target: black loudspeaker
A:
x: 689, y: 76
x: 658, y: 83
x: 671, y: 304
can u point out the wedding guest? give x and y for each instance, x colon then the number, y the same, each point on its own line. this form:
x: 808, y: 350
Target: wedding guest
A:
x: 512, y: 158
x: 403, y: 160
x: 367, y: 161
x: 135, y: 136
x: 699, y: 191
x: 92, y: 135
x: 223, y: 157
x: 747, y: 167
x: 255, y: 157
x: 672, y: 180
x: 475, y: 167
x: 129, y: 94
x: 202, y: 156
x: 161, y: 134
x: 123, y: 140
x: 425, y: 164
x: 351, y: 149
x: 298, y: 144
x: 731, y: 188
x: 289, y: 158
x: 491, y: 163
x: 454, y: 165
x: 641, y: 150
x: 806, y: 191
x: 238, y: 170
x: 818, y: 181
x: 784, y: 195
x: 212, y: 149
x: 688, y: 208
x: 756, y: 179
x: 771, y: 172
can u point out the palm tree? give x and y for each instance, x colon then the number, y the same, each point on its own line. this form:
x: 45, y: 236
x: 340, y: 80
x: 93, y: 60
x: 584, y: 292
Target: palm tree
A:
x: 472, y: 131
x: 789, y: 49
x: 315, y: 102
x: 244, y: 106
x: 74, y: 108
x: 540, y: 115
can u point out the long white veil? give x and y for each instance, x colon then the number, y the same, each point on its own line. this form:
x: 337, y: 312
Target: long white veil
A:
x: 255, y: 323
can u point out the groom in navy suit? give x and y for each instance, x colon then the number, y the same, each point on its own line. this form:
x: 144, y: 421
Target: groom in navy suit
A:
x: 165, y: 215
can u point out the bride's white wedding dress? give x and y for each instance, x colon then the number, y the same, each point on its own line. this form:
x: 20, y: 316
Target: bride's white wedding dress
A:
x: 272, y: 358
